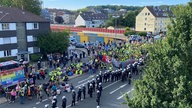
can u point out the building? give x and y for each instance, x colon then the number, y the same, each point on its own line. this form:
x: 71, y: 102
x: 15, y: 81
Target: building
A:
x: 68, y: 17
x: 153, y: 19
x: 90, y: 19
x: 19, y: 30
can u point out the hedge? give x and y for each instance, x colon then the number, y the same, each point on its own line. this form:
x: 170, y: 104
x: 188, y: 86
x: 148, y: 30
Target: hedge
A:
x: 35, y: 57
x: 8, y: 59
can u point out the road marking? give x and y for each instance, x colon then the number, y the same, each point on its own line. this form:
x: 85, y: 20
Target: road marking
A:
x: 125, y: 94
x: 44, y: 100
x: 37, y: 103
x: 118, y: 88
x: 110, y: 84
x: 86, y: 79
x: 81, y: 85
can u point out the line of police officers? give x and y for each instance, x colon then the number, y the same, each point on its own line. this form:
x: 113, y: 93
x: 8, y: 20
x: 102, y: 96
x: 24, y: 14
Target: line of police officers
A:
x: 96, y: 85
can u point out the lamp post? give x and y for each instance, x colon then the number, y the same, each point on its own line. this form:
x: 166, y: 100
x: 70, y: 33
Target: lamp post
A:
x: 116, y: 16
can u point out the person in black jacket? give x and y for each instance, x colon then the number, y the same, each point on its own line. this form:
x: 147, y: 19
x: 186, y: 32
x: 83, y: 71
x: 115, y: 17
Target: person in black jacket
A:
x: 73, y: 98
x: 79, y: 94
x: 54, y: 102
x: 98, y: 97
x: 64, y: 102
x: 84, y: 91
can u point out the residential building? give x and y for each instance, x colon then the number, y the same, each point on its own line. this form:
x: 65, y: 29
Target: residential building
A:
x: 153, y: 19
x: 68, y: 17
x: 19, y: 30
x: 90, y: 19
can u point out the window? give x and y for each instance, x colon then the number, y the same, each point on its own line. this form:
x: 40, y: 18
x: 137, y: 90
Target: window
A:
x: 5, y: 26
x: 6, y: 40
x: 145, y: 18
x: 155, y: 28
x: 35, y: 26
x: 144, y: 28
x: 145, y: 24
x: 7, y: 53
x: 148, y: 13
x: 145, y: 13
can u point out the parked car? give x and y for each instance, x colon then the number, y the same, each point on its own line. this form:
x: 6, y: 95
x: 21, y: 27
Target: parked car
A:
x: 79, y: 45
x: 72, y: 40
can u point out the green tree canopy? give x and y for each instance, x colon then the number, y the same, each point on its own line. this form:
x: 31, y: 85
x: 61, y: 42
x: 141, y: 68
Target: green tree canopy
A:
x: 53, y: 42
x: 167, y: 79
x: 33, y: 6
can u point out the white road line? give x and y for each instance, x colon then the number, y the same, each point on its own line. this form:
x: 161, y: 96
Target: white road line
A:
x: 125, y: 94
x: 86, y: 79
x: 37, y: 103
x: 110, y: 84
x: 81, y: 85
x: 44, y: 100
x: 118, y: 88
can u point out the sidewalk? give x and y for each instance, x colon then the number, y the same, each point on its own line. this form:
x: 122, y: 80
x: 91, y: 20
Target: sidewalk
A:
x: 3, y: 100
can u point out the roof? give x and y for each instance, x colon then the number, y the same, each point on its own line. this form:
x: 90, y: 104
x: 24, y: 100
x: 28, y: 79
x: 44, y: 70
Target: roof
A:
x: 89, y: 16
x: 11, y: 14
x: 8, y: 63
x: 160, y: 12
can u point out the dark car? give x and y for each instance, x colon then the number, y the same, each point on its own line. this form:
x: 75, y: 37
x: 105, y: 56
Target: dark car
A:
x: 79, y: 45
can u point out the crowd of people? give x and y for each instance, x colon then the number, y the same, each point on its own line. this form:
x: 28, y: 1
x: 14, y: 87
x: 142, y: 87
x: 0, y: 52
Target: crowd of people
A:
x: 64, y: 66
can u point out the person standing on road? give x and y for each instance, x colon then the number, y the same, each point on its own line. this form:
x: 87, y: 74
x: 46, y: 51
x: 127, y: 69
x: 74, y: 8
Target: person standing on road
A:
x: 73, y: 98
x: 54, y: 102
x: 91, y: 90
x: 100, y: 88
x: 79, y: 94
x: 98, y: 97
x: 130, y: 76
x: 84, y: 91
x: 64, y: 102
x: 21, y: 96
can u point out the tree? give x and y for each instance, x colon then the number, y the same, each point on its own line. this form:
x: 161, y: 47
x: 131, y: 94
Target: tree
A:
x: 59, y: 19
x: 53, y: 42
x: 33, y: 6
x: 130, y: 18
x: 167, y: 81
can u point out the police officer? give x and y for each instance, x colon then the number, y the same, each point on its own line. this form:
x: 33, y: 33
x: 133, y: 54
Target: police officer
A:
x: 79, y: 94
x: 88, y: 85
x: 98, y: 97
x: 91, y: 90
x: 93, y: 83
x: 73, y: 98
x: 100, y: 88
x: 84, y: 91
x: 54, y: 102
x: 105, y: 77
x: 129, y: 78
x: 64, y: 102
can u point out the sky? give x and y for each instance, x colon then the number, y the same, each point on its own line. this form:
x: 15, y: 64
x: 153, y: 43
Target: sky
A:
x: 77, y: 4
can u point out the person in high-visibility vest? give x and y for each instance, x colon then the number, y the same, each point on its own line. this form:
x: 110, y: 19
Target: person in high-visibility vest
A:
x: 81, y: 72
x: 21, y: 96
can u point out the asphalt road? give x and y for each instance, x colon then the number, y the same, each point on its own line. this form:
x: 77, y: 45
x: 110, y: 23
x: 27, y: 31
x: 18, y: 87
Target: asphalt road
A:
x: 112, y: 95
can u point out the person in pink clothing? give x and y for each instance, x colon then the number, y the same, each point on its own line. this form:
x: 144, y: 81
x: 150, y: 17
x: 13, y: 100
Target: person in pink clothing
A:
x: 13, y: 95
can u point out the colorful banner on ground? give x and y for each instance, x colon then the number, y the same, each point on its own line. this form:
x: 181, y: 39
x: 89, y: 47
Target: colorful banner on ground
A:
x: 12, y: 76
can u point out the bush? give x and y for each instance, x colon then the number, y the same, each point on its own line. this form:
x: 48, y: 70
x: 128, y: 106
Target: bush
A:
x: 142, y: 34
x: 35, y: 57
x: 7, y: 59
x: 129, y: 33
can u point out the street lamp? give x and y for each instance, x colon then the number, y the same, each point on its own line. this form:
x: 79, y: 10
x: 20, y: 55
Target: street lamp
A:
x: 115, y: 16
